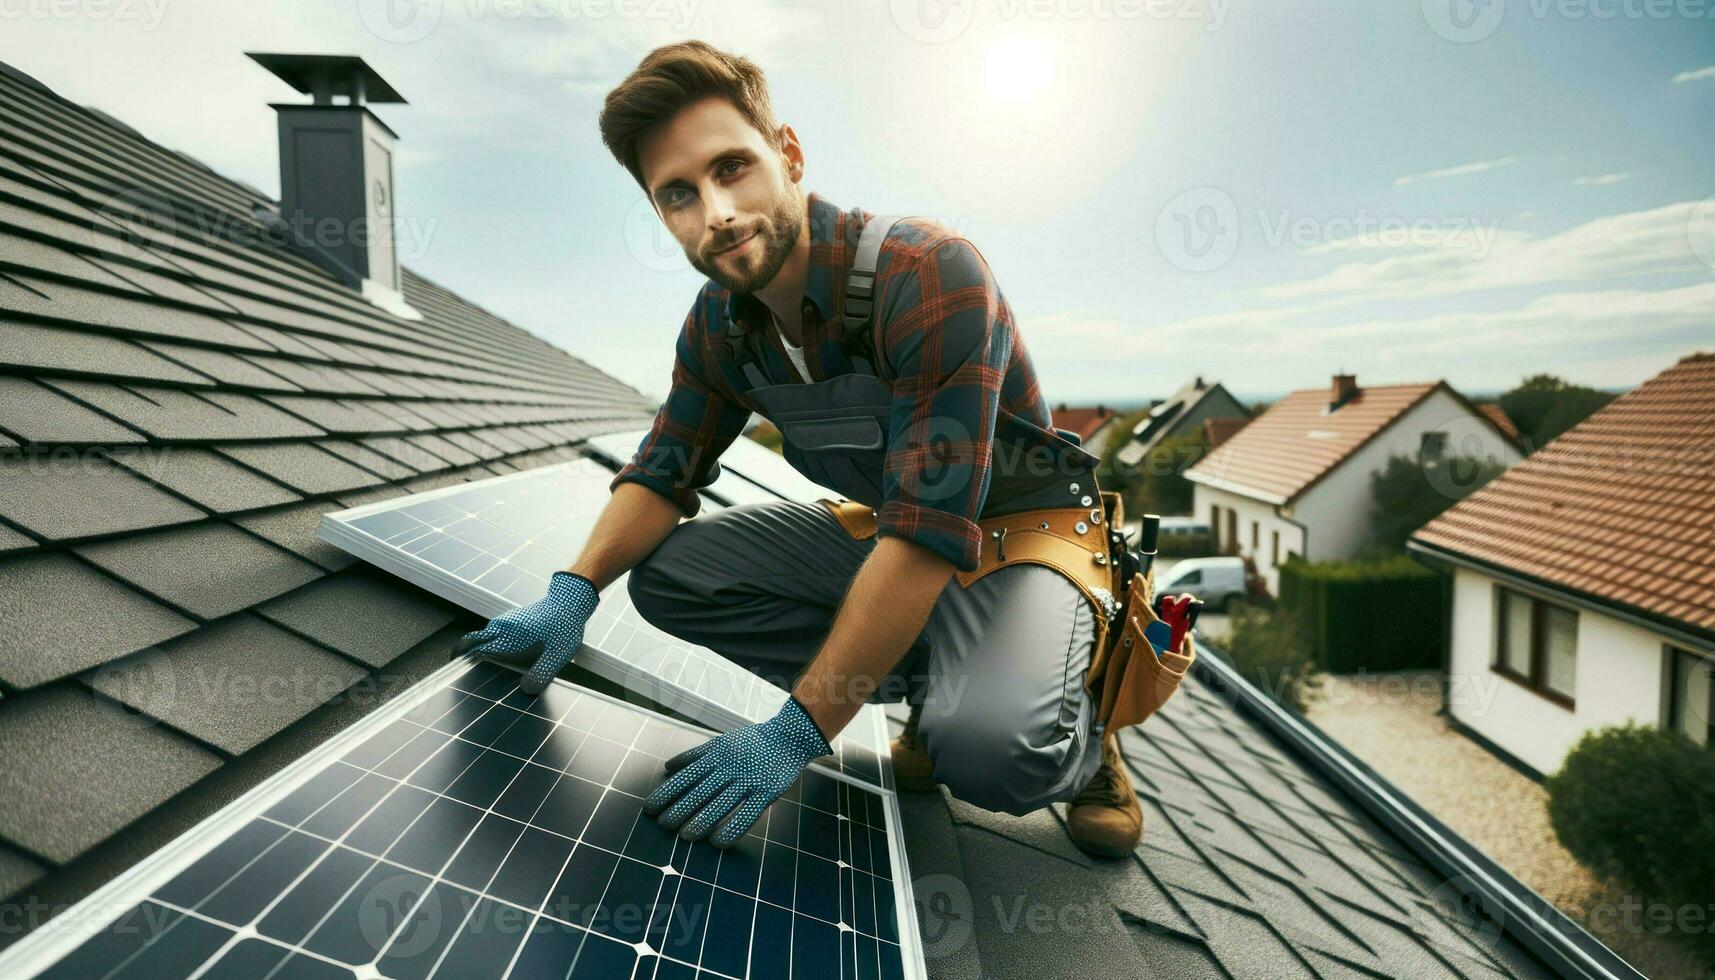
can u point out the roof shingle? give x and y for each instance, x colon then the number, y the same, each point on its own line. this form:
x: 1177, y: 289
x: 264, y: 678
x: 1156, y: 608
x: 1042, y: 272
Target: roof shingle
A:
x: 230, y: 684
x: 78, y: 769
x: 82, y: 496
x: 61, y: 617
x: 225, y: 570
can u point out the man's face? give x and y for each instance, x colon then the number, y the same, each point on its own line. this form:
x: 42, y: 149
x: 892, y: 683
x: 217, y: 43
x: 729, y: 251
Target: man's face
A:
x: 724, y: 193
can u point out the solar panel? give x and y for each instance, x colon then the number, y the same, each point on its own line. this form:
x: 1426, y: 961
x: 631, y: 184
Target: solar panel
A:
x: 756, y: 467
x: 491, y: 545
x: 469, y: 830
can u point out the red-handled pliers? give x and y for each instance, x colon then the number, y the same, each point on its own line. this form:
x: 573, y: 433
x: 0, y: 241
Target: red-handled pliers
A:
x: 1176, y: 613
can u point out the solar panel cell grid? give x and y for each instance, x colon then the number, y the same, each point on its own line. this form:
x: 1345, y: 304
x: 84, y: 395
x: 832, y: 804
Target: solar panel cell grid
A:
x: 492, y: 545
x: 481, y: 833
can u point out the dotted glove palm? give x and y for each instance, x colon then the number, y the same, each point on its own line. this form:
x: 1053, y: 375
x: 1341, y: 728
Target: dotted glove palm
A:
x: 545, y: 634
x: 739, y: 772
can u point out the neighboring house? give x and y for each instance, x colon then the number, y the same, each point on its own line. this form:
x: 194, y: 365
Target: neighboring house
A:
x: 181, y: 403
x: 1584, y: 577
x: 1296, y: 481
x: 1094, y: 426
x: 1218, y: 431
x: 1180, y: 415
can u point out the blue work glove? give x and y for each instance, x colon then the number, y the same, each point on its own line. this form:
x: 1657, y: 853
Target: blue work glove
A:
x: 545, y: 634
x: 738, y: 772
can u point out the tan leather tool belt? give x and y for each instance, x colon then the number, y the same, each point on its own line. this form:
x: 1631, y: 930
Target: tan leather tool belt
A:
x: 1074, y: 542
x: 1071, y: 540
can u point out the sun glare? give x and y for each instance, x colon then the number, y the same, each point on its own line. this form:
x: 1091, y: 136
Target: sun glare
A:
x: 1018, y: 69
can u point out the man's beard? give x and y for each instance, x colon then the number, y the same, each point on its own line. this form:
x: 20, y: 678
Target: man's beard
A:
x: 775, y: 236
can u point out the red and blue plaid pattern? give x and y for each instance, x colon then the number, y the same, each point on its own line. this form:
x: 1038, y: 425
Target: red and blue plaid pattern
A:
x: 949, y: 347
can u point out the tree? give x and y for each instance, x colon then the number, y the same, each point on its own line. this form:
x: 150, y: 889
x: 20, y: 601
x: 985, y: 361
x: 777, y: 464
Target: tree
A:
x: 1543, y: 406
x: 1114, y: 475
x: 1163, y: 488
x: 1407, y: 494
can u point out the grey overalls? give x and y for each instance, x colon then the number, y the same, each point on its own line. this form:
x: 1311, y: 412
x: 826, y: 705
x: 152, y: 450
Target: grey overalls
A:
x: 999, y: 667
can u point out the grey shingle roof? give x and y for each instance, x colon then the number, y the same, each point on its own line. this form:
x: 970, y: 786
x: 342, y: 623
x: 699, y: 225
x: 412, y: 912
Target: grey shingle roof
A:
x: 1251, y: 864
x: 178, y: 408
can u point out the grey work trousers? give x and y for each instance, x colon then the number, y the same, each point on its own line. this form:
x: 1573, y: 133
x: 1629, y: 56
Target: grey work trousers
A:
x: 999, y: 668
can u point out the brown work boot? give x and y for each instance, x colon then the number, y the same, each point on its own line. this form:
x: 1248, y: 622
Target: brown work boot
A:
x: 912, y: 772
x: 1105, y: 819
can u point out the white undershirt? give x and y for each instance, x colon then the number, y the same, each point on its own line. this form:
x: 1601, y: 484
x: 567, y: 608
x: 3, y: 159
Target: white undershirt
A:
x: 795, y: 353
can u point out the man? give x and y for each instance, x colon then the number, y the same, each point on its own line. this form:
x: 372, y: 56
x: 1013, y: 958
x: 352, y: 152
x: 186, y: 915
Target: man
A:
x: 929, y: 418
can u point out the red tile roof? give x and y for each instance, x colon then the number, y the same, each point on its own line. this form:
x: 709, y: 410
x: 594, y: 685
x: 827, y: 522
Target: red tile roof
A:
x: 1083, y: 421
x: 1281, y: 453
x: 1499, y: 416
x: 1219, y: 430
x: 1620, y: 506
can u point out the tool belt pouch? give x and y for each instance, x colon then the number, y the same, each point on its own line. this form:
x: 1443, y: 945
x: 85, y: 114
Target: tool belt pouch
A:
x: 1127, y: 680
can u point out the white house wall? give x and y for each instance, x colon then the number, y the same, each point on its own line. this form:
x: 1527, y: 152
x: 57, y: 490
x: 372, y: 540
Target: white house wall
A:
x: 1618, y: 679
x: 1337, y: 509
x: 1250, y: 510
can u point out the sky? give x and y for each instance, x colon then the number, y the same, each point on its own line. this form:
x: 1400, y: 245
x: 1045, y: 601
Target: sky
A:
x: 1259, y: 192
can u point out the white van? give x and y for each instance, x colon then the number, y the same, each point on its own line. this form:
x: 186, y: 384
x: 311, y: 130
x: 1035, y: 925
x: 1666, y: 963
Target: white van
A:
x: 1218, y: 581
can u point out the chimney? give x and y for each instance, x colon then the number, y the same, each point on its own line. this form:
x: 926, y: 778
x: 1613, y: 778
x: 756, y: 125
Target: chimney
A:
x: 336, y: 174
x: 1199, y: 385
x: 1344, y: 387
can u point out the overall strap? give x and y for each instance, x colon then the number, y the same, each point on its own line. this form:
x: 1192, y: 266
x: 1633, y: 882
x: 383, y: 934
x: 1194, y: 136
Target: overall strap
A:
x: 742, y: 347
x: 855, y: 336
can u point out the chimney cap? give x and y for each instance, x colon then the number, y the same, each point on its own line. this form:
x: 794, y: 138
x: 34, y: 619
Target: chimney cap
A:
x: 326, y: 75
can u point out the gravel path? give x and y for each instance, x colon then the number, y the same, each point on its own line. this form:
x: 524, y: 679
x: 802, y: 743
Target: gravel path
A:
x: 1390, y: 721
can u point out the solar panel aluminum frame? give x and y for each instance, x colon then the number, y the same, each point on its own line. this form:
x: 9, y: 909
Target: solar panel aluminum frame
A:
x: 67, y: 931
x: 761, y: 700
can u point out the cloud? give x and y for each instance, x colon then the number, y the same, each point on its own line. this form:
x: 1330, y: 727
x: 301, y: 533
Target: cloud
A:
x: 1600, y: 180
x: 1629, y: 244
x: 1592, y: 337
x: 1462, y: 170
x: 1370, y: 315
x: 1694, y: 76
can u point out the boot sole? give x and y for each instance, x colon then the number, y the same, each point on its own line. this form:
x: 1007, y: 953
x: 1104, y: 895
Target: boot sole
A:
x: 1104, y: 850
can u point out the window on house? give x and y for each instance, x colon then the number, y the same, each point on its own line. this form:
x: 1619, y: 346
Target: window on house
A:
x: 1691, y: 704
x: 1274, y: 552
x: 1256, y: 536
x: 1232, y: 530
x: 1536, y: 643
x: 1434, y: 446
x: 1215, y: 526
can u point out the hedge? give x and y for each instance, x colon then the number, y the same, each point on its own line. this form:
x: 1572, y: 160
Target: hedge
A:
x: 1637, y: 804
x: 1373, y: 615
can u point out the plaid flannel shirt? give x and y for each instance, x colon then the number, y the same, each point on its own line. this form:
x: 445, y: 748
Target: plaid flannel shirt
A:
x: 948, y: 345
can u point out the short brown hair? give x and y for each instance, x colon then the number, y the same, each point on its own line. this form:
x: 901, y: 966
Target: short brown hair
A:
x: 672, y: 77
